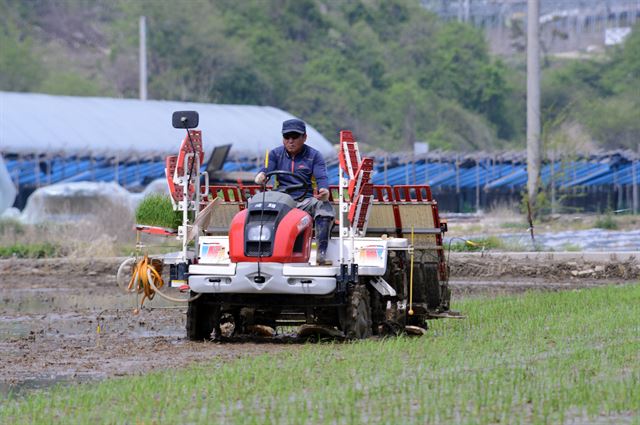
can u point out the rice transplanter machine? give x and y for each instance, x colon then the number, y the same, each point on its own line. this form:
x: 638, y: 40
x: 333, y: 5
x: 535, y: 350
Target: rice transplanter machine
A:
x: 248, y: 254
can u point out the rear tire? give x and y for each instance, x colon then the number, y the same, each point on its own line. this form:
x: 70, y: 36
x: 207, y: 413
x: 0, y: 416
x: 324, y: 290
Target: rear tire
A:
x: 356, y: 317
x: 432, y: 285
x: 201, y: 320
x: 378, y: 311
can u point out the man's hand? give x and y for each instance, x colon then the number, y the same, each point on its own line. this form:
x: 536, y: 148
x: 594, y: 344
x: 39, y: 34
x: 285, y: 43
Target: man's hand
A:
x: 323, y: 194
x: 260, y: 178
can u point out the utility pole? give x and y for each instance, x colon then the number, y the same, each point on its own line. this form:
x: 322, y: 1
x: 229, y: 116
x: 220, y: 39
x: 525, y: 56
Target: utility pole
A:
x: 533, y: 99
x: 634, y: 182
x: 463, y: 10
x: 467, y: 12
x: 143, y: 58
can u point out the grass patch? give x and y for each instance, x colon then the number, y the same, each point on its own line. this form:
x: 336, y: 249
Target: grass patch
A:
x: 540, y: 358
x: 514, y: 225
x: 477, y: 244
x: 35, y: 250
x: 10, y: 225
x: 570, y: 247
x: 156, y: 210
x: 606, y: 222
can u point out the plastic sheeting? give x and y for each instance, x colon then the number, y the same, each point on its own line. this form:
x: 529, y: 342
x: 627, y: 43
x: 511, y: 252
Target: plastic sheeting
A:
x: 32, y: 122
x: 7, y: 188
x: 72, y: 202
x: 157, y: 186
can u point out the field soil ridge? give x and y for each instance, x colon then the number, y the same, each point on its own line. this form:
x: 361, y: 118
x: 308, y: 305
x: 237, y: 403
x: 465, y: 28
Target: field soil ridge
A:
x: 550, y: 265
x: 546, y: 265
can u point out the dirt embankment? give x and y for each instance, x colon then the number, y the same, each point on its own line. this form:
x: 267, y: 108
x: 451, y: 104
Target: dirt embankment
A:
x: 549, y: 266
x: 68, y: 272
x: 489, y: 265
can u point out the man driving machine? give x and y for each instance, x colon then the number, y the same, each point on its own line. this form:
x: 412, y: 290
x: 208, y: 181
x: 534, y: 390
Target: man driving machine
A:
x: 307, y: 163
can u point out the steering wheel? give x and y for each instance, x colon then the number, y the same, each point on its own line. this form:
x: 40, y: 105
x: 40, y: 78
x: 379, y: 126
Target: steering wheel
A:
x: 287, y: 189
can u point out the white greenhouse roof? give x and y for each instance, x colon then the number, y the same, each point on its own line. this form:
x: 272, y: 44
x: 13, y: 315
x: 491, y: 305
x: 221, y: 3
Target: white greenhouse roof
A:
x: 39, y: 123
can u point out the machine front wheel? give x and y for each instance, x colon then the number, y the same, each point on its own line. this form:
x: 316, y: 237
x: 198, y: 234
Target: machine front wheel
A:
x: 355, y: 319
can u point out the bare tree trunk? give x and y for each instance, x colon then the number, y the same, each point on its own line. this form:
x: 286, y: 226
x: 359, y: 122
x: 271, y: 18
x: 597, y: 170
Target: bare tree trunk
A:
x: 533, y: 99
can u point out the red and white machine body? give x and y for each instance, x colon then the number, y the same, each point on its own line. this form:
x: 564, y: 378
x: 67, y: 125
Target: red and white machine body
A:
x: 268, y: 251
x: 266, y: 247
x: 252, y: 259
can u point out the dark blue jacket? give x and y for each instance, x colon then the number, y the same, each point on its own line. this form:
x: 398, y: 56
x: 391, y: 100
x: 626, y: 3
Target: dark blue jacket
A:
x: 309, y: 164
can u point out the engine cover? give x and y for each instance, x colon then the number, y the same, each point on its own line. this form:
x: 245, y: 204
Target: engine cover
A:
x: 273, y: 232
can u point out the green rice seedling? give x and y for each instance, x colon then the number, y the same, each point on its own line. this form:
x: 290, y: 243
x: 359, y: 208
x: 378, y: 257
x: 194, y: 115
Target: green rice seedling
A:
x: 157, y: 210
x: 537, y: 358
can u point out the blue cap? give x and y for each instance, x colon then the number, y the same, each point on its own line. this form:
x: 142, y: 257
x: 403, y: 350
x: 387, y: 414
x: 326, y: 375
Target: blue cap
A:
x: 294, y: 126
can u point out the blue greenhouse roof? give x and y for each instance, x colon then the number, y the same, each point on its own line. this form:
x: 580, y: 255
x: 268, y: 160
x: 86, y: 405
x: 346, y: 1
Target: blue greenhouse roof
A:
x: 33, y: 172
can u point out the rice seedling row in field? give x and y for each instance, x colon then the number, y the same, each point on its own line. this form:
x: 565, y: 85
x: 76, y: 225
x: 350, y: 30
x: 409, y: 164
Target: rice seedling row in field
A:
x: 538, y: 358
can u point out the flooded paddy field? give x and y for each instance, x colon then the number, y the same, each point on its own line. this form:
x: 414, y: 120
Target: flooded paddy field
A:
x: 65, y: 320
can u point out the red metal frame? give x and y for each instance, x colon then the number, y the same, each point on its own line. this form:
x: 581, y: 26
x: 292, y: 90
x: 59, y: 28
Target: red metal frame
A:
x: 185, y: 148
x: 353, y: 160
x: 229, y: 193
x: 405, y: 192
x: 379, y: 192
x: 169, y: 169
x: 364, y: 201
x: 155, y: 230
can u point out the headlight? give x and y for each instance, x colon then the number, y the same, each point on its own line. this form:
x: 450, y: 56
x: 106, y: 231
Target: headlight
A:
x: 253, y: 233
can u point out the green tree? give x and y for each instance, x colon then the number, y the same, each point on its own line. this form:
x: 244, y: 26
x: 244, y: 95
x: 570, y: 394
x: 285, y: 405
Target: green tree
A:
x: 20, y: 68
x: 623, y: 76
x: 387, y: 69
x: 600, y: 95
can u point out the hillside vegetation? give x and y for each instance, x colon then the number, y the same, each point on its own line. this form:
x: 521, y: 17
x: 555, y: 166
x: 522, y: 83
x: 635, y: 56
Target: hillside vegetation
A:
x: 595, y: 100
x: 387, y: 69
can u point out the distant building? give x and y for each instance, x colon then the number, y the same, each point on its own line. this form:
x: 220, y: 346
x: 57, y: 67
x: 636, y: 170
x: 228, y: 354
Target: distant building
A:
x: 566, y: 26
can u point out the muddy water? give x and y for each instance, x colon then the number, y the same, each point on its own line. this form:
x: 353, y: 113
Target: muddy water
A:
x: 58, y: 324
x: 67, y: 321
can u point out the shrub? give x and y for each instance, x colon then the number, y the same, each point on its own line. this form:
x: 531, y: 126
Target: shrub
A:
x: 38, y: 250
x: 482, y: 244
x: 607, y: 222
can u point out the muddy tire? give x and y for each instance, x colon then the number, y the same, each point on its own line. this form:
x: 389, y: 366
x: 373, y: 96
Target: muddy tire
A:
x: 431, y: 285
x: 124, y: 273
x: 378, y: 311
x: 392, y: 321
x: 446, y: 297
x: 201, y: 320
x: 356, y: 317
